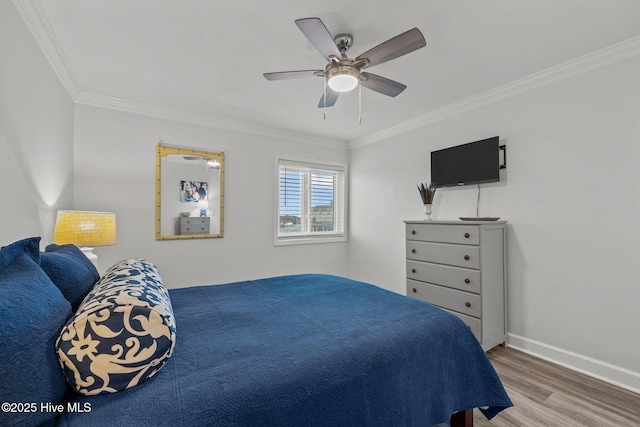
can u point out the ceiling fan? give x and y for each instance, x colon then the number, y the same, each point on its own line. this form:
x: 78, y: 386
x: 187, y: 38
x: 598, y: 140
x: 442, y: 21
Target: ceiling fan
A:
x: 342, y: 73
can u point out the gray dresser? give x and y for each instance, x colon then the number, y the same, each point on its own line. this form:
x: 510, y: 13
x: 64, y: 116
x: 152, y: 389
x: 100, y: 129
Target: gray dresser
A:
x: 460, y: 266
x: 193, y: 225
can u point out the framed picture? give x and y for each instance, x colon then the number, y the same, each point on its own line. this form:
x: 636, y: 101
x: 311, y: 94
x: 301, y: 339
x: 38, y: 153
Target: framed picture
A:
x: 193, y: 191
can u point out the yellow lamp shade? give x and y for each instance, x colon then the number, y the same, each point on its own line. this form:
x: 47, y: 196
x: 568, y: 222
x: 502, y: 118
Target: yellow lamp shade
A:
x: 84, y: 228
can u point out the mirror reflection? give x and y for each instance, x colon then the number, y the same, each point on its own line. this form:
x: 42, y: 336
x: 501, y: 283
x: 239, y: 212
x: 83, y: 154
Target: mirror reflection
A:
x: 189, y: 193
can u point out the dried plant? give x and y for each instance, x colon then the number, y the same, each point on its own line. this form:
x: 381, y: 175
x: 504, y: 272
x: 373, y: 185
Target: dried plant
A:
x: 427, y: 192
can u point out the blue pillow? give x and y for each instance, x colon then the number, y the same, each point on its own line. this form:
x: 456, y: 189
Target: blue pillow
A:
x: 33, y: 311
x: 71, y: 271
x: 122, y: 333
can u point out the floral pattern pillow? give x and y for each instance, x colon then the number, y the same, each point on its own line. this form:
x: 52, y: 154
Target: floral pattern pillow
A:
x: 122, y: 333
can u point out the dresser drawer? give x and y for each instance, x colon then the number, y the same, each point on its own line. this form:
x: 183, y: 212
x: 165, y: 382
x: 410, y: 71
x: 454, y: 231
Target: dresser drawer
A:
x: 462, y: 234
x: 473, y: 323
x: 194, y: 221
x: 442, y: 253
x: 194, y: 230
x: 459, y: 301
x: 452, y: 277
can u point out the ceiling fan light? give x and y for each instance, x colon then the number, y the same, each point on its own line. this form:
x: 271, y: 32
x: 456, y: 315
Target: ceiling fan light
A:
x: 343, y: 82
x: 343, y: 78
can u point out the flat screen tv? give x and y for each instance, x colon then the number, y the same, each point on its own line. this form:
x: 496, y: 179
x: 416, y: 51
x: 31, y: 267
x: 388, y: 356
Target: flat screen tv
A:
x: 473, y: 163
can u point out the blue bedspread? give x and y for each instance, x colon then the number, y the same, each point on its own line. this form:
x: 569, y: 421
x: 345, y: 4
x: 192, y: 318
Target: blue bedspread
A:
x: 306, y: 350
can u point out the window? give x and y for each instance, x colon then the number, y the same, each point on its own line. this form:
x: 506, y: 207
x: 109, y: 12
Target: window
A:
x: 311, y: 202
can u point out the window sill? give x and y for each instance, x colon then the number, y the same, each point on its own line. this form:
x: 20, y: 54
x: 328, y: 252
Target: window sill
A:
x: 306, y: 240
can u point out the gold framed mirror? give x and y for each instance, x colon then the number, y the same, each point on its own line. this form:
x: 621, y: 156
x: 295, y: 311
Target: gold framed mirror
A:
x: 189, y: 193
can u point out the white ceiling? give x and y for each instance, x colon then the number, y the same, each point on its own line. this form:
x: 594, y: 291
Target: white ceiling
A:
x: 205, y: 59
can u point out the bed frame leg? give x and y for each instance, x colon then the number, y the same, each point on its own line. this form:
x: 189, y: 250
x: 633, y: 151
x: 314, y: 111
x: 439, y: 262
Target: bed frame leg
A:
x: 462, y: 419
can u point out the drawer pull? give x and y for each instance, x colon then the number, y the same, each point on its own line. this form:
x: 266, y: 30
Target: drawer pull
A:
x: 414, y: 290
x: 467, y: 281
x: 413, y: 270
x: 413, y: 251
x: 466, y: 235
x: 466, y: 257
x: 413, y: 231
x: 468, y: 304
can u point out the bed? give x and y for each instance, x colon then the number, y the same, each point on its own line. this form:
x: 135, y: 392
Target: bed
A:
x: 299, y: 350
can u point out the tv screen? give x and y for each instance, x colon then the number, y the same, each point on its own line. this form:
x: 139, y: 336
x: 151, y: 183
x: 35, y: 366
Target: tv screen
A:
x: 472, y: 163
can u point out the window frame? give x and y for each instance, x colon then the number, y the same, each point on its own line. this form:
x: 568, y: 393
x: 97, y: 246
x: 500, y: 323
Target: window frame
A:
x: 319, y: 237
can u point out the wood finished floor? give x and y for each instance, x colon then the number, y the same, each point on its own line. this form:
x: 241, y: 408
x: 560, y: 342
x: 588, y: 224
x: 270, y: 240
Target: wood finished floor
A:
x: 548, y: 395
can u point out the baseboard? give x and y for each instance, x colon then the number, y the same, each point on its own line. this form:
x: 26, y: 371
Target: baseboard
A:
x: 604, y: 371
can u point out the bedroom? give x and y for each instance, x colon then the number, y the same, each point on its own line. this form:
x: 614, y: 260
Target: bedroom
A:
x: 570, y: 192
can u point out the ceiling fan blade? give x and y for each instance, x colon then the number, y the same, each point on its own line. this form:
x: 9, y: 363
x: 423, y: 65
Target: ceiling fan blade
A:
x: 382, y: 85
x: 331, y: 96
x: 319, y: 36
x: 287, y: 75
x: 393, y: 48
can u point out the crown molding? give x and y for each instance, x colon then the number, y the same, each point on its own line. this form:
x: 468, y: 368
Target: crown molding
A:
x: 95, y: 100
x: 616, y: 53
x: 37, y: 23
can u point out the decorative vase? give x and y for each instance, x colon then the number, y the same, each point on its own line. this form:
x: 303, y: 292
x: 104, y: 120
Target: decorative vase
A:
x: 427, y: 211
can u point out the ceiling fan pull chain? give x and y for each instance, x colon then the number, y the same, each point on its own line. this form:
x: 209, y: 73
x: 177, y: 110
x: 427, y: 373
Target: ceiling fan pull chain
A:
x: 324, y: 98
x: 359, y: 104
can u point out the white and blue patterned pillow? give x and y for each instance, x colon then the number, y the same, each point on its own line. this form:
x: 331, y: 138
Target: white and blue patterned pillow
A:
x: 122, y: 333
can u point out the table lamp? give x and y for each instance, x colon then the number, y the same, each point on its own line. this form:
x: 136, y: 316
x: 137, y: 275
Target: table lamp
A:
x: 85, y: 229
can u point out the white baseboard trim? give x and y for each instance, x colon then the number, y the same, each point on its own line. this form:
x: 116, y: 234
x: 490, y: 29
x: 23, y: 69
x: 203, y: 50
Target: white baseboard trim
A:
x: 604, y: 371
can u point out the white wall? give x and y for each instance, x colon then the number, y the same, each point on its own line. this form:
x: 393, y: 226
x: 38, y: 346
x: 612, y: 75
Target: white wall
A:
x: 570, y: 193
x: 115, y: 155
x: 36, y: 126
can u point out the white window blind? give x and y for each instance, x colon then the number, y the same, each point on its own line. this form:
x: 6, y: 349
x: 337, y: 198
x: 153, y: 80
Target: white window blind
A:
x: 311, y: 200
